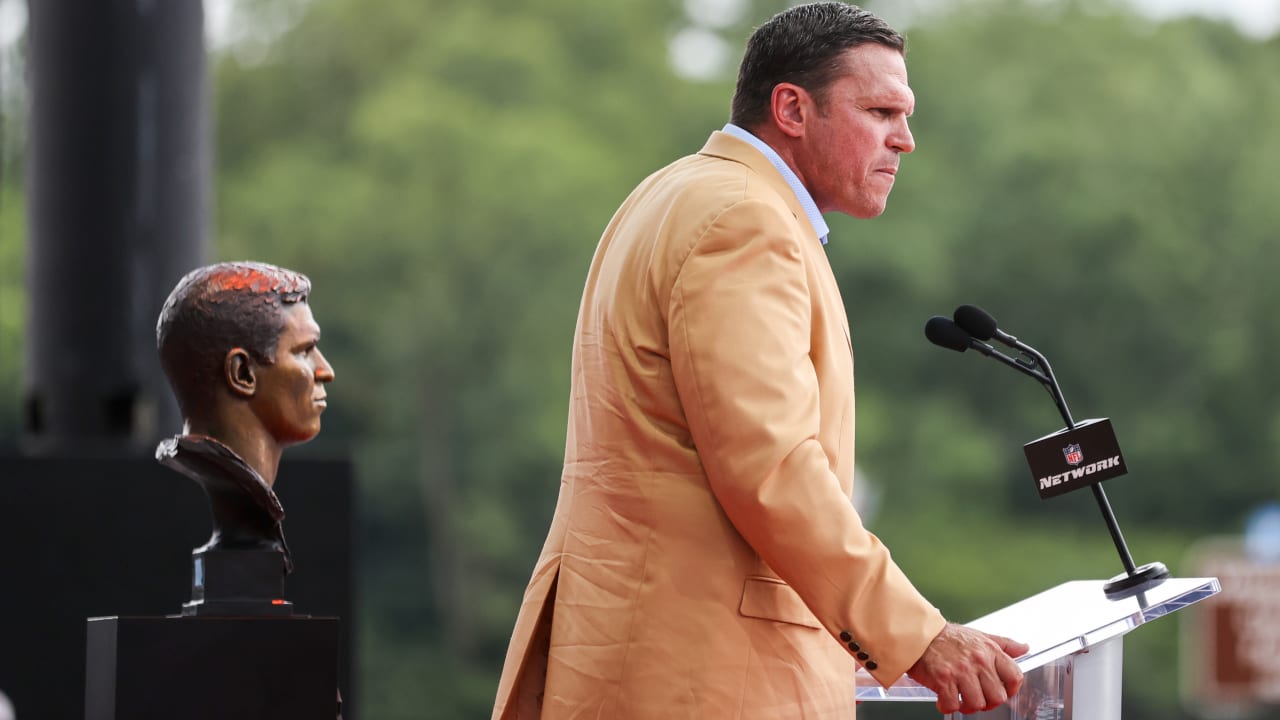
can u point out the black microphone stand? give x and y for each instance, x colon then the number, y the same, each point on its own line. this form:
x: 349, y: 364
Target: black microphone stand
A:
x: 1134, y: 579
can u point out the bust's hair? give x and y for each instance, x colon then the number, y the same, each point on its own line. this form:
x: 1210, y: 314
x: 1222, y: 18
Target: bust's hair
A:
x: 214, y: 309
x: 804, y: 45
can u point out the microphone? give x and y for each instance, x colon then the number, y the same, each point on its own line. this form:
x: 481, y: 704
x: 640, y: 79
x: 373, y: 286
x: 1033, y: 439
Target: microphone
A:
x: 979, y: 323
x: 945, y: 333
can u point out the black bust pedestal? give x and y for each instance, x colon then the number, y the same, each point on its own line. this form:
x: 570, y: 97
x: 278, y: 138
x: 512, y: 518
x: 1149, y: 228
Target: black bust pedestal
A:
x: 211, y: 668
x: 237, y: 582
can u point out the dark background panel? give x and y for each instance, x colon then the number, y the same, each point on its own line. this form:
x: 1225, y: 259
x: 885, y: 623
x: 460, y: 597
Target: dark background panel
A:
x: 90, y: 537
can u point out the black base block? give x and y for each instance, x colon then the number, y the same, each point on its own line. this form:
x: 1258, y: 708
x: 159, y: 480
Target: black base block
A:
x: 237, y: 582
x: 202, y: 668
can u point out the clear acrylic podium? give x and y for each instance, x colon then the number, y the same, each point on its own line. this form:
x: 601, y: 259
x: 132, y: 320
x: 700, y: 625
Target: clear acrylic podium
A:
x: 1076, y: 634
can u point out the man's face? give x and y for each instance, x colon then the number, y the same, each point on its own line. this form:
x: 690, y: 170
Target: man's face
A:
x: 851, y: 148
x: 290, y: 393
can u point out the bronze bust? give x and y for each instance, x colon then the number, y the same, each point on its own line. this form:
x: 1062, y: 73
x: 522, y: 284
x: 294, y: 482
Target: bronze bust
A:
x: 239, y: 346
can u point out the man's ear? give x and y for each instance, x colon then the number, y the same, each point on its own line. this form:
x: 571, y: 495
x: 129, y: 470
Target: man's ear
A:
x: 239, y: 373
x: 789, y: 108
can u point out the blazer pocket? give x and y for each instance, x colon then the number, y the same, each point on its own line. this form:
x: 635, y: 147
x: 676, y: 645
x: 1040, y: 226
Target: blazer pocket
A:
x: 770, y: 599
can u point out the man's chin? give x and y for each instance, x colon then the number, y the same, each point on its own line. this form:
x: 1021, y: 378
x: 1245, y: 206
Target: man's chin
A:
x: 867, y: 213
x: 300, y: 438
x: 865, y: 208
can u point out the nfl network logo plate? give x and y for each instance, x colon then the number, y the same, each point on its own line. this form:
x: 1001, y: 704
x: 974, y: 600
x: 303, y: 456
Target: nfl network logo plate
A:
x: 1060, y: 464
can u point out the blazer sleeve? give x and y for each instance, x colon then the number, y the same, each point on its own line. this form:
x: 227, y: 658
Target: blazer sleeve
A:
x: 739, y: 321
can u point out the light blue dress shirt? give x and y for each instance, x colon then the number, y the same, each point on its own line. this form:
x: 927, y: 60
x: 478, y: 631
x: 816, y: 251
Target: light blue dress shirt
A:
x: 802, y: 194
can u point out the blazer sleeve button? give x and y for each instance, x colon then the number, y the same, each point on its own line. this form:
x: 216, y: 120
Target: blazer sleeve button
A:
x: 863, y: 656
x: 871, y: 666
x: 845, y: 636
x: 854, y: 647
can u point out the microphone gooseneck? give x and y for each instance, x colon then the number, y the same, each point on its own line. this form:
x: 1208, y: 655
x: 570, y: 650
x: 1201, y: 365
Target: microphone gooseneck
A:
x: 979, y: 323
x: 943, y: 332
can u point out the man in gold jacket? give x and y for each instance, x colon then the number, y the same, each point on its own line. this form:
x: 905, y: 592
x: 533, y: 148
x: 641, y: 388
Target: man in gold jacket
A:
x: 705, y: 560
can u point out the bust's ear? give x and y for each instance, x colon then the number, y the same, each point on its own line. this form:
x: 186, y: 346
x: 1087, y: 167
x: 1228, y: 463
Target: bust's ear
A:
x: 238, y: 372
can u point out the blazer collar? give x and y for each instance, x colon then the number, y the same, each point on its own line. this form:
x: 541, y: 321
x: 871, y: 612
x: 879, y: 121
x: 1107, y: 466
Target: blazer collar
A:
x: 727, y: 147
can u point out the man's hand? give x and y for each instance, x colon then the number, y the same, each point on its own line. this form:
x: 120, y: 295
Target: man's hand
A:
x: 970, y: 670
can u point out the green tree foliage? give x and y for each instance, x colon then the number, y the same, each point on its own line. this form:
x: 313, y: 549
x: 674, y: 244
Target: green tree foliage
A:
x: 442, y: 169
x: 12, y: 301
x: 12, y: 236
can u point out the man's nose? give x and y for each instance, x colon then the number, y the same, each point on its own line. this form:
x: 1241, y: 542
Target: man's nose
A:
x: 324, y: 371
x: 900, y: 138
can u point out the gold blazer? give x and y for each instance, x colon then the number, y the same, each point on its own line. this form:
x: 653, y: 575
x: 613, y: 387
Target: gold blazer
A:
x: 704, y: 559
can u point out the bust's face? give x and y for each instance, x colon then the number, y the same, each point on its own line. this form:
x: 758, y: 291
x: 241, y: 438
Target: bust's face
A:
x: 291, y: 392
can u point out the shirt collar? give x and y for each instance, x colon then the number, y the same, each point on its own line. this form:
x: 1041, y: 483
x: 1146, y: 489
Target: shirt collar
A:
x: 802, y: 193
